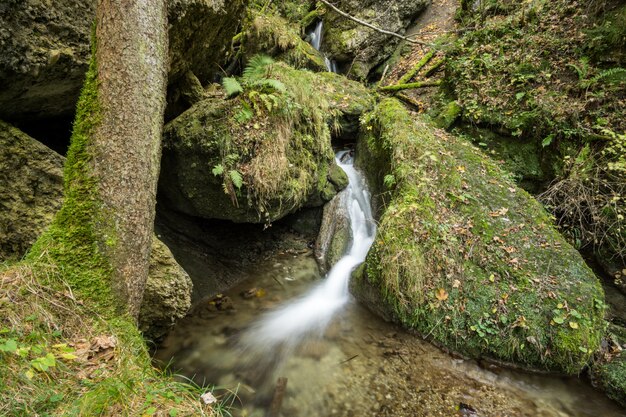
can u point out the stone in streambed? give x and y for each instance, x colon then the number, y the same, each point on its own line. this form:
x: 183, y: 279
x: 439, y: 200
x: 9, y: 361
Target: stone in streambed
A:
x: 467, y: 258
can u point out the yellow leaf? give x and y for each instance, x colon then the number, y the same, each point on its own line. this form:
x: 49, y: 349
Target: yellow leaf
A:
x: 68, y: 356
x: 492, y: 277
x: 573, y: 325
x: 441, y: 294
x: 29, y: 374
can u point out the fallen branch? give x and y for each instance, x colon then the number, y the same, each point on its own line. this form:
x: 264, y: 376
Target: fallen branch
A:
x: 410, y: 101
x: 420, y: 84
x: 430, y: 71
x: 361, y: 22
x: 407, y: 77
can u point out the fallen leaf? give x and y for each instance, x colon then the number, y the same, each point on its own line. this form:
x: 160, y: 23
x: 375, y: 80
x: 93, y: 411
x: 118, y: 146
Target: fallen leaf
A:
x: 573, y: 325
x: 441, y: 294
x: 208, y: 398
x: 456, y: 283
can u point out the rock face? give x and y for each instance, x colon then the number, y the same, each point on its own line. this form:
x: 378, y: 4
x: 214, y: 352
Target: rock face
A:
x: 262, y: 155
x: 357, y: 48
x: 334, y: 235
x: 31, y: 191
x: 31, y: 184
x: 45, y: 50
x: 167, y: 296
x: 199, y: 34
x: 464, y: 256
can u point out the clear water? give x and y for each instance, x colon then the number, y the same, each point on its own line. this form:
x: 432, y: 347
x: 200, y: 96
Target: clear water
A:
x: 339, y: 359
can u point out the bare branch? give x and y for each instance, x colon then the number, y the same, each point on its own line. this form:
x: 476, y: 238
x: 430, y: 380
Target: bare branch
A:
x: 361, y: 22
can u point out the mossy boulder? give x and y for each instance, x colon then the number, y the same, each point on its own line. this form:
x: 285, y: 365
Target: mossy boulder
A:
x: 335, y: 233
x: 167, y: 296
x: 611, y: 378
x: 261, y: 155
x: 466, y: 258
x: 275, y: 36
x: 31, y: 184
x: 358, y: 48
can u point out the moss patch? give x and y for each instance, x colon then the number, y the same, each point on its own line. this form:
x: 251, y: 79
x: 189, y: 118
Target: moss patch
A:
x: 468, y: 259
x: 275, y: 135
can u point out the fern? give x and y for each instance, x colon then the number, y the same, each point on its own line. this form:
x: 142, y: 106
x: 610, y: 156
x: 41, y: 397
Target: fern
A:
x: 256, y: 68
x: 613, y: 75
x: 232, y: 86
x: 218, y: 170
x: 244, y: 114
x: 236, y: 178
x: 269, y: 83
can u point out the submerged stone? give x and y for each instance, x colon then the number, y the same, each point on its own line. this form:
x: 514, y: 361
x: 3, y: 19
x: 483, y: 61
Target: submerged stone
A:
x: 467, y: 258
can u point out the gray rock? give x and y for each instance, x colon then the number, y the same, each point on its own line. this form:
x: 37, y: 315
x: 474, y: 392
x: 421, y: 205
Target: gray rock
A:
x: 359, y: 48
x: 167, y: 296
x: 31, y: 190
x: 45, y: 50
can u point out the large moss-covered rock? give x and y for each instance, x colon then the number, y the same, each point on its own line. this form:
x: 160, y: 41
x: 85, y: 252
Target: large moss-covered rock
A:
x: 45, y: 49
x: 273, y: 35
x: 359, y: 48
x: 264, y: 154
x: 467, y: 258
x: 31, y: 189
x: 167, y: 296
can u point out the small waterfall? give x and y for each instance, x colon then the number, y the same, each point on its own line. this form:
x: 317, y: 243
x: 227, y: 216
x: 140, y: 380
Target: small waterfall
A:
x: 316, y: 35
x: 282, y: 330
x: 316, y: 42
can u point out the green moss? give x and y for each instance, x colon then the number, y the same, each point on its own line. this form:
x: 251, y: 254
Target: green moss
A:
x: 278, y: 139
x: 78, y: 236
x: 612, y: 378
x: 465, y: 257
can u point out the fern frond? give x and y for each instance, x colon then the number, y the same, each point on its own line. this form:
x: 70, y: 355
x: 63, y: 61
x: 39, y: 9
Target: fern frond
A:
x: 270, y: 83
x: 236, y: 178
x: 256, y: 68
x: 613, y: 75
x: 232, y: 86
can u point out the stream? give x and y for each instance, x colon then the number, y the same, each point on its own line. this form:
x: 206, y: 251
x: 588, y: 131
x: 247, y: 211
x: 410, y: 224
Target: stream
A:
x: 338, y: 359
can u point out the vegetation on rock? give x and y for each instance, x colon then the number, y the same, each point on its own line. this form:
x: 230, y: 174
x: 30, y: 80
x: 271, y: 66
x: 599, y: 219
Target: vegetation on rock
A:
x: 467, y: 258
x: 554, y: 73
x: 266, y: 151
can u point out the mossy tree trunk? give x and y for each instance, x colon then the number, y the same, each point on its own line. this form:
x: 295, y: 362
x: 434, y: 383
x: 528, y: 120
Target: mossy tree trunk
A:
x: 101, y: 237
x: 131, y: 59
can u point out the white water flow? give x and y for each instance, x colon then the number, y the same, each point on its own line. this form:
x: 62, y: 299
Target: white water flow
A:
x: 283, y: 329
x: 316, y: 42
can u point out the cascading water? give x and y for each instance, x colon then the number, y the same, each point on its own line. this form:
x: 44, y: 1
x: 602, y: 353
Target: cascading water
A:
x: 282, y: 330
x: 316, y: 42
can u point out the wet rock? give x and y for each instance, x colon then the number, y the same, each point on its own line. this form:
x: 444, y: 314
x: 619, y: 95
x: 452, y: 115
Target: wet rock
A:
x: 167, y: 296
x: 31, y: 190
x: 335, y: 233
x: 359, y: 48
x: 464, y: 256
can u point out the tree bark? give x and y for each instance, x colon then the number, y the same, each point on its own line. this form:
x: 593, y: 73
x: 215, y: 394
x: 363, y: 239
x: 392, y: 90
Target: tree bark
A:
x: 131, y: 63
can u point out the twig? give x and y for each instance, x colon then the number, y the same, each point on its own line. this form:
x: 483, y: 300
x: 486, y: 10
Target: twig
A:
x: 348, y: 360
x: 361, y: 22
x: 430, y: 71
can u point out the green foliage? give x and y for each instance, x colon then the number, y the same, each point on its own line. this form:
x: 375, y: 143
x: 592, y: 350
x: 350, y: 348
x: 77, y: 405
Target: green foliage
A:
x: 448, y: 259
x: 232, y: 86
